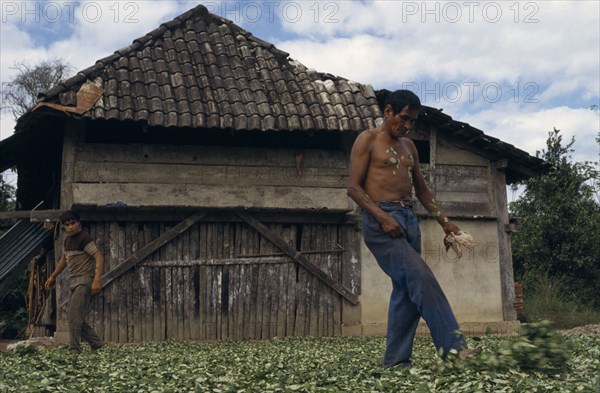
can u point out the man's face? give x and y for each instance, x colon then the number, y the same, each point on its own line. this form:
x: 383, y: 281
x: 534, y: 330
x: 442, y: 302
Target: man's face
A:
x: 402, y: 122
x: 71, y: 227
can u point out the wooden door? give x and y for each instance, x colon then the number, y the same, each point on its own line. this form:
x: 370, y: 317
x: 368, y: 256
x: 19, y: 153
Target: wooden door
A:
x: 224, y: 280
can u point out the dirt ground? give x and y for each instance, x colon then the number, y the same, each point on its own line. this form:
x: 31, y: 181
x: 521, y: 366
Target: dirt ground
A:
x: 590, y: 330
x: 42, y: 342
x: 4, y: 343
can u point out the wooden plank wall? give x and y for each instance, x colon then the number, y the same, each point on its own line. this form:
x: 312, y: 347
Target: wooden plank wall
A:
x: 464, y: 189
x: 210, y: 176
x: 461, y: 190
x: 460, y: 179
x: 220, y: 281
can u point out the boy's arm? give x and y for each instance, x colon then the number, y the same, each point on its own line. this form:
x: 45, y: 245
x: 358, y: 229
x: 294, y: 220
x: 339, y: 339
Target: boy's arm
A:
x: 62, y: 263
x: 97, y: 283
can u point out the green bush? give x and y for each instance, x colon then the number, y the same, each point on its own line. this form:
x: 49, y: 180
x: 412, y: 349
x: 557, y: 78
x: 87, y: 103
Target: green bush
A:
x: 13, y: 309
x: 560, y: 223
x: 549, y: 298
x: 539, y: 347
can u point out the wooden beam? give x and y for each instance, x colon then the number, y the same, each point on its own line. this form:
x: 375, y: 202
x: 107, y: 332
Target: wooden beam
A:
x: 298, y: 257
x: 33, y: 215
x: 241, y: 176
x: 277, y: 260
x: 276, y: 254
x: 433, y: 158
x: 198, y: 196
x: 217, y: 156
x: 125, y: 214
x: 172, y: 214
x: 154, y: 245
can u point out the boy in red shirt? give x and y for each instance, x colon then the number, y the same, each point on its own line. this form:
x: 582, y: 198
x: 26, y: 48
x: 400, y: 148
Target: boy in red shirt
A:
x: 86, y: 264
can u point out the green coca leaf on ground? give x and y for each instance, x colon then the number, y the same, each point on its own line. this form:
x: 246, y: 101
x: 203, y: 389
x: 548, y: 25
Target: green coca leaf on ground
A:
x: 537, y: 360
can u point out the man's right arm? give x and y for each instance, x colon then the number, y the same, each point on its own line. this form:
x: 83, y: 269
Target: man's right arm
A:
x: 359, y: 165
x: 62, y: 263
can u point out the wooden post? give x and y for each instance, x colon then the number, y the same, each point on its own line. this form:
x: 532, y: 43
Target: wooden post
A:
x: 504, y: 250
x: 432, y: 158
x: 351, y: 276
x: 73, y: 134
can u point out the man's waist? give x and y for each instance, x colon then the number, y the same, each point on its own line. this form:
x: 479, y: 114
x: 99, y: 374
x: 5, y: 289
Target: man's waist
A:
x: 404, y: 202
x: 75, y: 281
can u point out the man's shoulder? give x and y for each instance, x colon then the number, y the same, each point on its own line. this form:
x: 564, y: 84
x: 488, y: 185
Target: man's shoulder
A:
x: 368, y: 135
x: 408, y: 141
x: 86, y: 238
x: 82, y: 237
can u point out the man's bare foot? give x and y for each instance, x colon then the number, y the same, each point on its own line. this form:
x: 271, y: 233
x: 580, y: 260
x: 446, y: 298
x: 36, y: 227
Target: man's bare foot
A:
x: 468, y: 353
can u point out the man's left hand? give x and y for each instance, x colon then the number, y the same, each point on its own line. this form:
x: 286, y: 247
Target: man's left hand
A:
x: 451, y: 228
x: 96, y: 287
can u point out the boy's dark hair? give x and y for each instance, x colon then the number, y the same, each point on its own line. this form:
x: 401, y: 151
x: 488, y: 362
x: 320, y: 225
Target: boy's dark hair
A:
x: 398, y: 100
x: 69, y: 215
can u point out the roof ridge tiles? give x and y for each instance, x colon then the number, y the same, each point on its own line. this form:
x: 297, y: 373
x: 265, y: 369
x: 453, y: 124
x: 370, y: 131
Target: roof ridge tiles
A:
x: 197, y: 10
x: 215, y: 69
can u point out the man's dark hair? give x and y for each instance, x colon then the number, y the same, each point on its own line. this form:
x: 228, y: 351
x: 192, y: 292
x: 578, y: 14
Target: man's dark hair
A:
x: 69, y: 215
x: 401, y: 99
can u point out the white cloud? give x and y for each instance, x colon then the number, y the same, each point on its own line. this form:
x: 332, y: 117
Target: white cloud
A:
x: 528, y: 129
x: 552, y: 62
x: 16, y: 45
x: 386, y: 44
x: 98, y: 29
x: 562, y: 42
x: 101, y: 28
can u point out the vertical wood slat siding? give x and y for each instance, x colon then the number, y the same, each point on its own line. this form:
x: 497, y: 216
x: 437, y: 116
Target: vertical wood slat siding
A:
x: 180, y: 292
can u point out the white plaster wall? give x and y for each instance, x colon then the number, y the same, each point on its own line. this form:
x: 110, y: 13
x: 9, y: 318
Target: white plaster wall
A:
x: 375, y: 294
x: 472, y: 283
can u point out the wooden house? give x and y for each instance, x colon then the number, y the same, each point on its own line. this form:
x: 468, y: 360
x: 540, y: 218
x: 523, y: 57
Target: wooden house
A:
x: 211, y: 168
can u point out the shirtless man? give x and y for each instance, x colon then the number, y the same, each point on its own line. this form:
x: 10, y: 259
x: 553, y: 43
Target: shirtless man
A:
x: 384, y: 169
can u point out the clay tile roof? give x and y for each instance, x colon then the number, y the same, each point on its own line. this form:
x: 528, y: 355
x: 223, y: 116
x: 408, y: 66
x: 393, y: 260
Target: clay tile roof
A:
x: 201, y: 70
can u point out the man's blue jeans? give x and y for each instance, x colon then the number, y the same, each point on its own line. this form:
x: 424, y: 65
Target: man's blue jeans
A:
x: 415, y: 290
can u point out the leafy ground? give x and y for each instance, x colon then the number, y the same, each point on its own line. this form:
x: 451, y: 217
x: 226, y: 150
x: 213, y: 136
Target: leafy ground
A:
x: 553, y: 363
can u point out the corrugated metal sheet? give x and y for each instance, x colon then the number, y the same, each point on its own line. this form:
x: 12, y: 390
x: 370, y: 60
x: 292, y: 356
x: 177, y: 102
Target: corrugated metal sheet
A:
x: 17, y: 246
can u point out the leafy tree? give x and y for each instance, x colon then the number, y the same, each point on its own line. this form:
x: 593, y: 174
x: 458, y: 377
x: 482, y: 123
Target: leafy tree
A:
x: 21, y: 94
x: 7, y: 203
x: 560, y: 232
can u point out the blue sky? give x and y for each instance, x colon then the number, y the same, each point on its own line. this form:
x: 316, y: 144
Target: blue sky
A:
x: 514, y: 69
